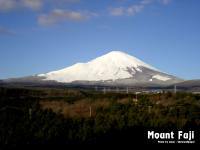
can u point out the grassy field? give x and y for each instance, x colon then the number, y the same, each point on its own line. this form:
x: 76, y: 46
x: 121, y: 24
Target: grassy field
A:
x: 68, y: 116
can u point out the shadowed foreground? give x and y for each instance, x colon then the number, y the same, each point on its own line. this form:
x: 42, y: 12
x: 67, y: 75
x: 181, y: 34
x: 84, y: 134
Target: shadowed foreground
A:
x: 66, y: 116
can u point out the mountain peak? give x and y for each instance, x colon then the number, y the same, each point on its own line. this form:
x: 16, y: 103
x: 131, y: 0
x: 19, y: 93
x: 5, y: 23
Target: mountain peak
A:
x: 121, y: 59
x: 111, y: 66
x: 116, y: 52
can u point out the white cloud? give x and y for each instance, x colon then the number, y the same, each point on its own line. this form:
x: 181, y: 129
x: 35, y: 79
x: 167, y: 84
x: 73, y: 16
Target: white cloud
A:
x: 134, y: 9
x: 117, y: 11
x: 33, y: 4
x: 60, y: 15
x: 6, y: 5
x: 131, y: 10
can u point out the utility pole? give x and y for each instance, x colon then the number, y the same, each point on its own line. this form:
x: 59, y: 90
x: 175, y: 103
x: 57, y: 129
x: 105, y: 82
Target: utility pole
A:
x: 127, y: 90
x: 30, y: 113
x: 90, y: 111
x: 104, y: 90
x: 136, y: 96
x: 149, y: 109
x: 175, y: 89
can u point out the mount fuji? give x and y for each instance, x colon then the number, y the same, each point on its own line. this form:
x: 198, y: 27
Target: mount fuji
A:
x: 113, y: 68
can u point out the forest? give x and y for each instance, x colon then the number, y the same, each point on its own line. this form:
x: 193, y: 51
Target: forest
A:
x: 72, y: 116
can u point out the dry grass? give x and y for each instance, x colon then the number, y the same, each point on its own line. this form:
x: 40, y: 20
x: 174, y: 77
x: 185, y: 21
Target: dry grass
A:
x: 80, y: 108
x: 123, y: 101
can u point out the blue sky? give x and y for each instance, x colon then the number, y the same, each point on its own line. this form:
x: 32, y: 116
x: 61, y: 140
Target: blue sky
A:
x: 38, y: 36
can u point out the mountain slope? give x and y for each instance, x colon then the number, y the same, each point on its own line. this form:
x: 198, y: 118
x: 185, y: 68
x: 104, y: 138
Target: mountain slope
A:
x: 115, y: 67
x: 189, y: 84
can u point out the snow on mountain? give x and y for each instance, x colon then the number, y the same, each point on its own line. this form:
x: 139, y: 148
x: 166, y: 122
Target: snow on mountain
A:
x: 112, y: 66
x: 159, y: 77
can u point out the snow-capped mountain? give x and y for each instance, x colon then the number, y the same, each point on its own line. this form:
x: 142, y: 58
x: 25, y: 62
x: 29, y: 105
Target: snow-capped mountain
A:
x: 114, y: 67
